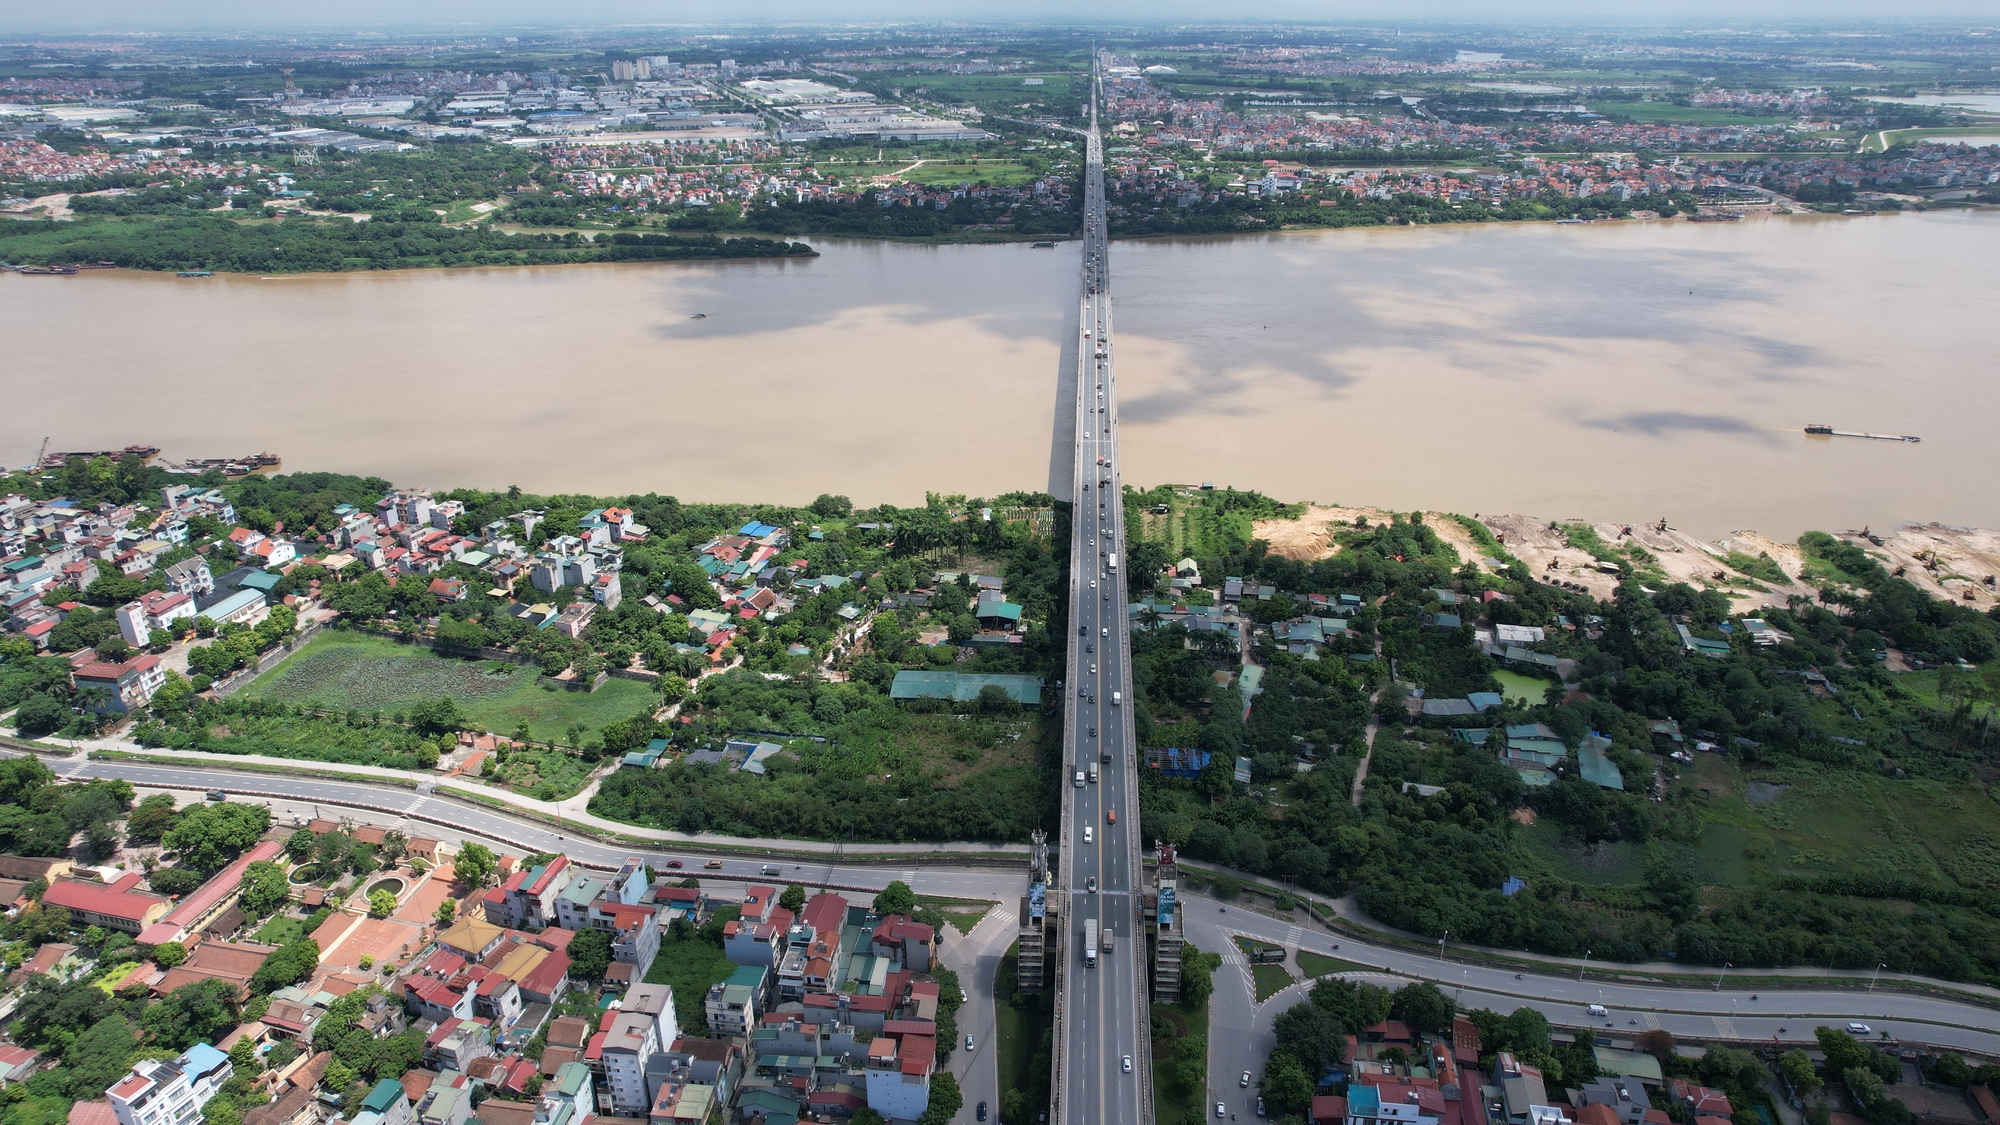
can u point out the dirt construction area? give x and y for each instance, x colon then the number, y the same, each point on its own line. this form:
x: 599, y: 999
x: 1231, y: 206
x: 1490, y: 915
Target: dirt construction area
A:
x: 1962, y: 564
x: 1311, y: 535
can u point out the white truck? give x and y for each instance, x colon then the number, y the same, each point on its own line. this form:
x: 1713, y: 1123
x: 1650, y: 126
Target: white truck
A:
x: 1114, y: 561
x: 1090, y: 941
x: 1117, y: 698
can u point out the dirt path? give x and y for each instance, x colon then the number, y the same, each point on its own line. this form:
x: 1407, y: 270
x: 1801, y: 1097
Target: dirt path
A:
x: 1368, y: 752
x: 896, y: 176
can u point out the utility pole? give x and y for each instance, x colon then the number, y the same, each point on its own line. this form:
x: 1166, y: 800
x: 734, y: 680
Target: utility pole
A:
x: 1586, y: 964
x: 1726, y: 966
x: 1876, y: 977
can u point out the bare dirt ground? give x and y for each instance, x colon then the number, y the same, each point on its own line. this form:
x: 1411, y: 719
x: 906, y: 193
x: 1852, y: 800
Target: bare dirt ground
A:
x: 1311, y: 535
x: 1944, y: 561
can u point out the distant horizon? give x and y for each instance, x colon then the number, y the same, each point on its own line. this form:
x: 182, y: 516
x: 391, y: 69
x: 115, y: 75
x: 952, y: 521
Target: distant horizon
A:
x: 460, y: 17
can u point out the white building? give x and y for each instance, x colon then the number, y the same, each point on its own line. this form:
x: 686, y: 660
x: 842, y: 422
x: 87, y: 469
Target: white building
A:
x: 157, y: 609
x: 170, y: 1093
x: 630, y: 1043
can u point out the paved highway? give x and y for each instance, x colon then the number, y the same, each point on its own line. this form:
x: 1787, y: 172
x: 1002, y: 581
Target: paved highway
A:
x: 296, y: 799
x: 1241, y: 1037
x: 1103, y: 1007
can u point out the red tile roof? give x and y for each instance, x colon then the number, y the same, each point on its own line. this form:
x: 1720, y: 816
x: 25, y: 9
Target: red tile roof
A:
x: 118, y: 900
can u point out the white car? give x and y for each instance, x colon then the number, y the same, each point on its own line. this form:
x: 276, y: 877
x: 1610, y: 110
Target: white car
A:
x: 1245, y: 1080
x: 1128, y: 1064
x: 968, y: 1042
x: 1859, y: 1029
x: 1220, y: 1109
x: 1086, y: 834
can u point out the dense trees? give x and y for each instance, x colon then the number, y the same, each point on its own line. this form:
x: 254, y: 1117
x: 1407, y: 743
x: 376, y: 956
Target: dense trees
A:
x: 209, y: 836
x: 1436, y: 863
x: 590, y: 954
x: 300, y: 244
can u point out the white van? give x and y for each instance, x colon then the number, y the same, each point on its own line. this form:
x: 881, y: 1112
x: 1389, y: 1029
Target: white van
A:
x: 1117, y: 698
x: 1079, y: 779
x: 1093, y: 773
x: 1598, y: 1011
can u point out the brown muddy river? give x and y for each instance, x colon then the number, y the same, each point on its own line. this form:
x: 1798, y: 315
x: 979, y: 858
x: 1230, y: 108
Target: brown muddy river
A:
x: 1625, y: 371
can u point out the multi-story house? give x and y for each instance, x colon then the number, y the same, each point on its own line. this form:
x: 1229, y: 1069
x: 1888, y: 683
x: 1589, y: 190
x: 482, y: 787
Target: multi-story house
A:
x: 157, y: 609
x: 630, y: 1042
x: 528, y: 897
x: 190, y: 577
x: 169, y: 1093
x: 126, y: 686
x: 899, y: 1075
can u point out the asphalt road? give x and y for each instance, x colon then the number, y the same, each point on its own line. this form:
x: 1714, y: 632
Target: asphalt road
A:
x: 1103, y: 1004
x: 1240, y: 1029
x: 297, y: 799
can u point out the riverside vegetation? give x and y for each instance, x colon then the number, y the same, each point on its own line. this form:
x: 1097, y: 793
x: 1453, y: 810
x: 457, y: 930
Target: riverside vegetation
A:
x: 1839, y: 813
x: 1848, y: 821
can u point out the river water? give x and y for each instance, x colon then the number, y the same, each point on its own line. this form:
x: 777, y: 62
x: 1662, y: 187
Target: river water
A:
x: 1617, y: 371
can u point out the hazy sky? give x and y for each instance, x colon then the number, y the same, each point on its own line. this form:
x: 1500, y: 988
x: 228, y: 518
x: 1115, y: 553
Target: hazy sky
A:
x: 25, y: 16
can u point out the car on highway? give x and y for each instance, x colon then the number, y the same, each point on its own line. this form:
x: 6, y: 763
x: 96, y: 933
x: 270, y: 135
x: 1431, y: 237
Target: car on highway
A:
x: 674, y: 863
x: 1128, y: 1064
x: 1093, y: 884
x: 982, y: 1111
x: 1079, y: 779
x: 1110, y: 815
x: 1260, y: 1107
x: 217, y: 795
x: 1086, y: 834
x: 713, y: 865
x: 1220, y: 1109
x: 968, y: 1042
x: 1093, y: 732
x: 1245, y: 1080
x: 1859, y: 1029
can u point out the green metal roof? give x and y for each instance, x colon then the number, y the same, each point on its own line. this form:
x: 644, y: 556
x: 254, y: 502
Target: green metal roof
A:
x: 384, y: 1095
x: 964, y: 687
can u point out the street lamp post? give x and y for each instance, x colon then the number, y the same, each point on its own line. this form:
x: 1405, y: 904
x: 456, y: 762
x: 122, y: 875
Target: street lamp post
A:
x: 1586, y: 964
x: 1726, y: 966
x: 1876, y: 977
x: 1441, y: 941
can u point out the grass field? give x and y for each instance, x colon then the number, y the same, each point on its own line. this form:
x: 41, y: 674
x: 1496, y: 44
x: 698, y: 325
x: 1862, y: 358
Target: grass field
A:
x: 1317, y: 965
x: 1611, y: 863
x: 1876, y: 142
x: 345, y: 671
x: 1002, y: 91
x: 1808, y: 822
x: 964, y: 920
x: 691, y: 966
x: 281, y: 931
x: 1270, y: 979
x: 1667, y: 113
